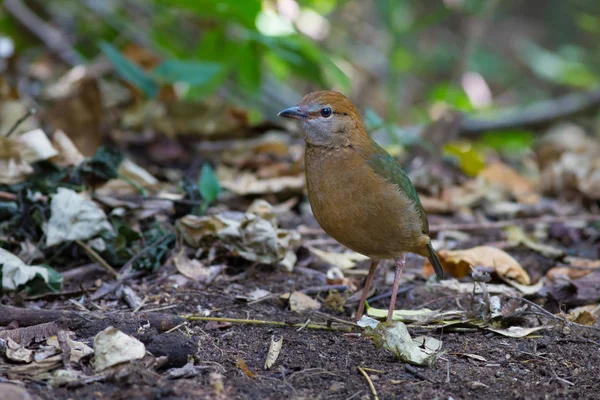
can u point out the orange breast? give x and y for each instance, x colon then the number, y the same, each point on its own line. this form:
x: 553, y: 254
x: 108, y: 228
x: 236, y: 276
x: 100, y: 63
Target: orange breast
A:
x: 359, y: 208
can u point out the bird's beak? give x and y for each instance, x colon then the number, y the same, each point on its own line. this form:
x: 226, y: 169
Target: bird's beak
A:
x: 292, y: 112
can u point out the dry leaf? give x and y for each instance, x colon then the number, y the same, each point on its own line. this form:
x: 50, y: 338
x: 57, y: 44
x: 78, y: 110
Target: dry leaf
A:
x: 517, y: 331
x: 17, y: 352
x: 194, y: 269
x: 300, y: 302
x: 459, y: 263
x: 244, y: 234
x: 394, y: 336
x: 68, y: 153
x: 579, y: 267
x: 517, y: 234
x: 74, y: 217
x: 113, y: 347
x: 583, y: 317
x: 274, y: 350
x: 345, y: 260
x: 244, y: 182
x: 422, y: 315
x: 241, y: 364
x: 35, y: 146
x: 16, y: 273
x: 509, y: 180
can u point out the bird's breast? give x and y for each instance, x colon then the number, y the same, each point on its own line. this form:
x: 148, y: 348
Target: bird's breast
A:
x: 358, y: 207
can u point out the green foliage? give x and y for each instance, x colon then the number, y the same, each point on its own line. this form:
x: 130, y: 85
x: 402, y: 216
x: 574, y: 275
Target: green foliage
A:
x: 39, y: 285
x: 451, y: 95
x: 208, y: 185
x: 104, y: 165
x: 508, y: 141
x: 190, y: 72
x: 130, y: 71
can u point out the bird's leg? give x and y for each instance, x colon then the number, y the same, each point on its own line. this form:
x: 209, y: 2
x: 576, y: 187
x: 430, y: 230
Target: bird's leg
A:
x: 363, y: 299
x: 399, y: 267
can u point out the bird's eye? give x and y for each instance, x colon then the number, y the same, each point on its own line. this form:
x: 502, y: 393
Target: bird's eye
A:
x: 326, y: 112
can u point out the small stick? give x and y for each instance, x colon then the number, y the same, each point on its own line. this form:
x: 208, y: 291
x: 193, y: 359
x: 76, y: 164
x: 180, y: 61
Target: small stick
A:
x: 28, y: 114
x: 371, y: 386
x: 92, y: 253
x: 261, y: 322
x: 176, y: 327
x: 8, y: 196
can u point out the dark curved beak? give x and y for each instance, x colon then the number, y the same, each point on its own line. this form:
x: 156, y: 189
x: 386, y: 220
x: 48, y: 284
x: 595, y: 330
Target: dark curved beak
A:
x: 292, y: 112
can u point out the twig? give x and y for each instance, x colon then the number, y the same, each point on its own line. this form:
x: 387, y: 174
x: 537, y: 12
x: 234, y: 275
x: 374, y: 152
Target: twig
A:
x: 339, y: 320
x: 126, y: 270
x: 92, y: 253
x: 176, y: 327
x: 511, y: 222
x: 28, y: 114
x: 261, y: 322
x: 552, y: 316
x: 371, y: 386
x: 325, y: 288
x: 303, y: 325
x: 49, y: 35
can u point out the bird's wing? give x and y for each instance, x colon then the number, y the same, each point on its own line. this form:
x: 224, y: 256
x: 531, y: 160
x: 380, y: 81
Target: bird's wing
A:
x: 386, y: 166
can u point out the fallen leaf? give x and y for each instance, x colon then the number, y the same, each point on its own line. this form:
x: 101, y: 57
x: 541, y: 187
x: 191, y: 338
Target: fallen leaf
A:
x: 473, y: 356
x: 300, y: 302
x: 73, y: 217
x: 474, y: 287
x: 68, y: 153
x: 517, y: 234
x: 241, y: 364
x: 459, y: 263
x: 274, y: 350
x: 345, y: 260
x: 11, y: 391
x: 244, y: 182
x: 501, y: 175
x: 113, y: 347
x: 516, y: 331
x: 422, y: 315
x: 16, y: 273
x: 256, y: 294
x: 244, y: 234
x: 194, y: 269
x: 78, y: 350
x: 578, y: 268
x: 394, y: 336
x: 35, y: 146
x: 583, y: 317
x: 17, y: 352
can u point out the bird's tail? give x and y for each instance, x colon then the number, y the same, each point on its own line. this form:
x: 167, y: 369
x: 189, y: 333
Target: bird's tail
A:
x: 435, y: 261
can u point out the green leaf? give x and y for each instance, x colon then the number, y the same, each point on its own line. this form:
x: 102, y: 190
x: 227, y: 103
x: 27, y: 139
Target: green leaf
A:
x: 509, y: 141
x: 209, y: 184
x: 104, y: 164
x: 129, y: 71
x: 191, y: 72
x: 249, y: 67
x: 240, y: 11
x: 372, y: 120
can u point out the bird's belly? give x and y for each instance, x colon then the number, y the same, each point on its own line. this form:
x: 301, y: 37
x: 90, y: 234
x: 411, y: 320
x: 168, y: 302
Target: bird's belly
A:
x: 362, y: 211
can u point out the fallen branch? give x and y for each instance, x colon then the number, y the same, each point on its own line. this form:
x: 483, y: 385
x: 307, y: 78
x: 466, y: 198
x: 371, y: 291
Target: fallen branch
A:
x: 273, y: 323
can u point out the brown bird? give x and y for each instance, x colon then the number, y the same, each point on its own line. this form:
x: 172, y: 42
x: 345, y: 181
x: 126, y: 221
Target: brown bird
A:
x: 358, y: 193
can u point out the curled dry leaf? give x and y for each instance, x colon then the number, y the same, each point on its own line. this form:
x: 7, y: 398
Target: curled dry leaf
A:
x: 17, y: 352
x: 422, y: 315
x: 129, y: 172
x: 301, y: 302
x: 77, y: 350
x: 394, y: 336
x: 194, y: 269
x: 241, y: 364
x: 17, y: 153
x: 274, y: 350
x: 74, y: 217
x: 16, y: 273
x: 459, y: 263
x: 68, y: 153
x: 244, y: 234
x: 578, y: 268
x: 113, y: 347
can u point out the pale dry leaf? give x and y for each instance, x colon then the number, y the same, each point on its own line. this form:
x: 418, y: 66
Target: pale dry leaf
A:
x: 13, y: 168
x: 343, y: 261
x: 113, y: 347
x: 301, y: 302
x: 394, y: 336
x: 582, y: 317
x: 274, y: 350
x: 35, y: 146
x: 74, y: 217
x: 517, y: 331
x: 68, y: 153
x: 420, y: 315
x: 16, y: 273
x: 517, y: 234
x: 78, y: 350
x: 194, y: 269
x: 17, y: 352
x: 243, y: 182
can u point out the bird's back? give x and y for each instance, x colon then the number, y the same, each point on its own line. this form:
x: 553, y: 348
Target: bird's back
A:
x: 359, y: 207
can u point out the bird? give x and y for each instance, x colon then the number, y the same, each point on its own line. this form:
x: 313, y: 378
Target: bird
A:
x: 357, y: 191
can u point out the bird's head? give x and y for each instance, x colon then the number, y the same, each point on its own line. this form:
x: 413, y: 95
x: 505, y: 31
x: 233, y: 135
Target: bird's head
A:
x: 328, y: 119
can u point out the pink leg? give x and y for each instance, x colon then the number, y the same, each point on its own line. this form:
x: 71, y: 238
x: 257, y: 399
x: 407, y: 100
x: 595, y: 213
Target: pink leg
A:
x: 399, y: 267
x: 363, y: 299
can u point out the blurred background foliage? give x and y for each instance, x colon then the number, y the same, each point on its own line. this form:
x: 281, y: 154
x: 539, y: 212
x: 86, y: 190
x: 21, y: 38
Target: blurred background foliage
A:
x: 407, y: 60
